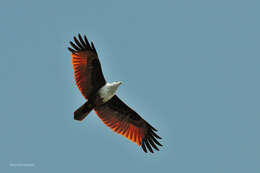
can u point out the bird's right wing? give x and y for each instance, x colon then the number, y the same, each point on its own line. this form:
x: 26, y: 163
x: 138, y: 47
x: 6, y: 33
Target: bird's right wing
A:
x: 125, y: 121
x: 87, y: 69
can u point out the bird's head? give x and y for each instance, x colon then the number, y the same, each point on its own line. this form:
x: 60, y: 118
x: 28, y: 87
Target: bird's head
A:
x: 118, y: 83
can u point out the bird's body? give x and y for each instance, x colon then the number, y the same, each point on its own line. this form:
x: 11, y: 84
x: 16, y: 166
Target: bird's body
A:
x: 107, y: 91
x: 101, y: 96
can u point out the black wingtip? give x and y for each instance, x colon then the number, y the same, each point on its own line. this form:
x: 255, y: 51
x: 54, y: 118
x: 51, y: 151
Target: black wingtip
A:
x: 82, y: 41
x: 74, y: 46
x: 71, y: 50
x: 143, y: 146
x: 150, y: 141
x: 155, y: 135
x: 93, y: 47
x: 81, y: 45
x: 155, y: 140
x: 148, y: 145
x: 78, y: 43
x: 86, y: 41
x: 153, y: 128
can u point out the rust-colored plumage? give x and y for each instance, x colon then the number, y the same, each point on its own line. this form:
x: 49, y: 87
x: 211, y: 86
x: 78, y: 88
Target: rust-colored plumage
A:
x: 114, y: 113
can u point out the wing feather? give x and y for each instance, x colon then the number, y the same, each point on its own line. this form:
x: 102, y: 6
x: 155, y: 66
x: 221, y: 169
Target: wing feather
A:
x: 125, y: 121
x: 78, y: 44
x: 87, y: 68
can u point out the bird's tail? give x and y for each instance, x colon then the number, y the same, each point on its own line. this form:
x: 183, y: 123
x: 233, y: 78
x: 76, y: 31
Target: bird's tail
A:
x: 83, y: 111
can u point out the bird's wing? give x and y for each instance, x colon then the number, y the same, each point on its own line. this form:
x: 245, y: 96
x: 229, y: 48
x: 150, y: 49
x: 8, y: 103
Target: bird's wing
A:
x: 125, y: 121
x: 87, y: 69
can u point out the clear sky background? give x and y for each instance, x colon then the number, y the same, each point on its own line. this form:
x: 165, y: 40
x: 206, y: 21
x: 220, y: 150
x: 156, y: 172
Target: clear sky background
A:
x: 190, y: 68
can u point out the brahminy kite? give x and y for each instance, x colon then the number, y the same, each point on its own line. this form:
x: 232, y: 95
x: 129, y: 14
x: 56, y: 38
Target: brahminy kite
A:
x: 101, y: 96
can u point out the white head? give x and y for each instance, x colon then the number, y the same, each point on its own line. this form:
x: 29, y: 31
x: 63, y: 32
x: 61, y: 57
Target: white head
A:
x: 117, y: 84
x: 109, y: 90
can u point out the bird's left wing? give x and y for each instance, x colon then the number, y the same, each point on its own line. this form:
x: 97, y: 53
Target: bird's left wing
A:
x: 87, y: 69
x: 125, y: 121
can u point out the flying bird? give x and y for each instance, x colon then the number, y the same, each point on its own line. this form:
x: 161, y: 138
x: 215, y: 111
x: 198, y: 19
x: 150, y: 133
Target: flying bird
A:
x: 101, y: 97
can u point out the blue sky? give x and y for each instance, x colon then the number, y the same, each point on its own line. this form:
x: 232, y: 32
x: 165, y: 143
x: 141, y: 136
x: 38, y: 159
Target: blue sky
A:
x: 190, y: 68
